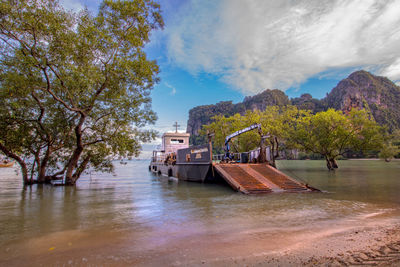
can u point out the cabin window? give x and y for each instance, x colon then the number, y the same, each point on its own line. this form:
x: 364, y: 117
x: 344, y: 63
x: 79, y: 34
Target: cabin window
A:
x: 177, y: 141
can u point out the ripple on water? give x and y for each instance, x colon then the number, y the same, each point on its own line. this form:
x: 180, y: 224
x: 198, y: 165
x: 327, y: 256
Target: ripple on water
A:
x: 135, y: 199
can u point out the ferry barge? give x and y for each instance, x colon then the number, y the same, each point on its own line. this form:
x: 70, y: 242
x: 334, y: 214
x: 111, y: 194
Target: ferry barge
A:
x: 195, y: 163
x: 177, y: 159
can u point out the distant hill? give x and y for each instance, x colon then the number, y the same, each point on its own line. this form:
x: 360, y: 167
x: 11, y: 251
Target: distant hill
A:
x: 365, y: 90
x: 361, y: 89
x: 201, y: 115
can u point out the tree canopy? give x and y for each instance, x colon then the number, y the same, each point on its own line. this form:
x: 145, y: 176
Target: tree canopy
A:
x: 274, y: 121
x: 75, y: 87
x: 329, y: 133
x: 391, y: 147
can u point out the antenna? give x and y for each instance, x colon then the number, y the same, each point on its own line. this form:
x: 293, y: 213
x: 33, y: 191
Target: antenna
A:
x: 176, y: 125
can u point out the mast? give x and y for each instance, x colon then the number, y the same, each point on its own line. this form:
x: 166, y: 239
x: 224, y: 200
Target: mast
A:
x: 176, y: 125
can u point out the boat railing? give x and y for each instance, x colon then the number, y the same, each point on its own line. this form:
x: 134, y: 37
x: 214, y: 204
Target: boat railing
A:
x: 239, y: 157
x: 158, y: 158
x: 161, y: 156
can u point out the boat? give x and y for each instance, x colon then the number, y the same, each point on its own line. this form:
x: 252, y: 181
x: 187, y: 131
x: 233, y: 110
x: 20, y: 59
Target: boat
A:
x: 177, y: 159
x: 249, y: 173
x: 6, y: 163
x: 190, y: 163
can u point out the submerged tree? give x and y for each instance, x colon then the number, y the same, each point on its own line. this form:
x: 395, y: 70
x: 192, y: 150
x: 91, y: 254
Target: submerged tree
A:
x: 332, y: 133
x: 74, y: 87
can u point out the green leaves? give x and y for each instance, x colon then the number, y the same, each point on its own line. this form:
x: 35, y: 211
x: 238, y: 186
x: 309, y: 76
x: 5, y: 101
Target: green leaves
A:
x: 332, y: 133
x: 329, y: 133
x: 75, y: 88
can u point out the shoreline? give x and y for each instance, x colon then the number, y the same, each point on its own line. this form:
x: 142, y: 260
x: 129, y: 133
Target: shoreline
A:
x: 374, y: 241
x: 367, y: 245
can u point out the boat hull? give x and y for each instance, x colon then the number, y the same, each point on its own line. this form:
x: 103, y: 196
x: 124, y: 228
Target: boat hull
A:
x: 194, y: 172
x: 191, y: 164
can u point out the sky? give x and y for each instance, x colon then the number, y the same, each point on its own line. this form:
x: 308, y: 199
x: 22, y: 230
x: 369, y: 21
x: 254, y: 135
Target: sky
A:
x: 220, y: 50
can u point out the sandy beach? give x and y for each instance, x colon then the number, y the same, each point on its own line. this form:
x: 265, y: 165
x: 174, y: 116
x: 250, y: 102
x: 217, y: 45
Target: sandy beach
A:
x: 371, y: 244
x: 373, y: 240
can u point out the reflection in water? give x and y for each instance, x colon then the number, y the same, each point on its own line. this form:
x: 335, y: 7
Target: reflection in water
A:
x: 135, y: 200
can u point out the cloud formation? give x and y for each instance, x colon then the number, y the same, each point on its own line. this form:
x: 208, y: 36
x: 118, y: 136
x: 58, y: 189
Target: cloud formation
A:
x: 254, y: 45
x: 173, y: 89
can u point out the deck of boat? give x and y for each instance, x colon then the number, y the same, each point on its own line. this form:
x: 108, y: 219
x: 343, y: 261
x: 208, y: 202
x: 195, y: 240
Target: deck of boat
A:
x: 258, y: 178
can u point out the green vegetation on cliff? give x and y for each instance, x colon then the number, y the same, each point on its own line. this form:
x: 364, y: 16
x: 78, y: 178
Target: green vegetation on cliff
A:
x: 377, y: 94
x: 362, y: 90
x: 202, y: 115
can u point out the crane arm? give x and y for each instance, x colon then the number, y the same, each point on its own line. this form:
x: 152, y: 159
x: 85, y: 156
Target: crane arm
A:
x: 251, y: 127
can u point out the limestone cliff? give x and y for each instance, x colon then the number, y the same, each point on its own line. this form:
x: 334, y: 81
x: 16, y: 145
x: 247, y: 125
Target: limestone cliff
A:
x: 360, y: 90
x: 364, y: 90
x: 201, y: 115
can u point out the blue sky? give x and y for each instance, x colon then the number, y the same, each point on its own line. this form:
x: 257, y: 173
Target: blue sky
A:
x: 219, y: 50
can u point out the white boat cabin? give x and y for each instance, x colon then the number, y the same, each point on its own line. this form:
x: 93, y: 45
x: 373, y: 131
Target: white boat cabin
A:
x: 171, y: 142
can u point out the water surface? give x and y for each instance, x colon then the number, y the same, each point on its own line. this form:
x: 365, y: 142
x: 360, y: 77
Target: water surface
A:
x: 160, y: 211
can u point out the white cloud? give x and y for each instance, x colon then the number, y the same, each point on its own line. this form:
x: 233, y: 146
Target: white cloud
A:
x: 173, y: 89
x: 254, y: 45
x: 392, y: 70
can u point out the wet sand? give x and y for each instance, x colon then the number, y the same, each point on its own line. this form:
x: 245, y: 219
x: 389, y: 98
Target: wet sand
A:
x: 371, y: 240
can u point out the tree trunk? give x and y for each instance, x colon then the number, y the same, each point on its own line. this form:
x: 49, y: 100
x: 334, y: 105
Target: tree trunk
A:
x: 276, y: 155
x: 43, y: 165
x: 272, y: 160
x: 81, y: 168
x: 35, y: 162
x: 261, y: 157
x: 69, y: 177
x: 328, y: 164
x: 331, y: 163
x: 334, y: 163
x: 274, y: 152
x: 24, y: 169
x: 73, y: 162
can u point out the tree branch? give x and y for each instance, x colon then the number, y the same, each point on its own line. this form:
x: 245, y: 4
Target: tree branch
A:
x: 94, y: 142
x: 48, y: 89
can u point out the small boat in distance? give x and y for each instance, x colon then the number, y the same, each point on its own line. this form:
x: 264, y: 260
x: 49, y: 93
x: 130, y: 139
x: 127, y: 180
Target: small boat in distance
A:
x: 6, y: 163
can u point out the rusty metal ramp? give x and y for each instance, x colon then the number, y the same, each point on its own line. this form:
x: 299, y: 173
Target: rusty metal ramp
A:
x: 258, y: 178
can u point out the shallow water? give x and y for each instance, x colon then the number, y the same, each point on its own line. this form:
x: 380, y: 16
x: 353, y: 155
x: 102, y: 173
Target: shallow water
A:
x: 162, y: 210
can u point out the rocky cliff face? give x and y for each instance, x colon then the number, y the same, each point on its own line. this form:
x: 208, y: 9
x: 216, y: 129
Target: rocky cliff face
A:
x: 306, y: 101
x: 201, y: 115
x: 364, y: 90
x: 360, y: 90
x: 262, y: 100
